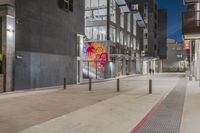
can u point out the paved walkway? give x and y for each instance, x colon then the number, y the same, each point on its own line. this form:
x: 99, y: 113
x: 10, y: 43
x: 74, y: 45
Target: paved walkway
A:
x: 76, y: 110
x: 167, y: 118
x: 114, y: 113
x: 191, y: 113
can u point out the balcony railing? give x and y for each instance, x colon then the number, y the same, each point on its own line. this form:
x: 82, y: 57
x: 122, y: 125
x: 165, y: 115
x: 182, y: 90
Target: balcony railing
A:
x: 191, y: 22
x: 191, y: 1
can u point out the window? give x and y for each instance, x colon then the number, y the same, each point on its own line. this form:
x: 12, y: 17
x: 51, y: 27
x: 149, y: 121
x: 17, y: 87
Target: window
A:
x: 94, y: 3
x: 112, y: 34
x: 134, y: 43
x: 122, y: 20
x: 129, y: 22
x: 113, y: 11
x: 102, y: 3
x: 155, y: 47
x: 87, y: 4
x: 155, y: 35
x: 96, y: 33
x: 134, y: 25
x: 88, y: 32
x: 121, y: 38
x: 156, y: 26
x: 66, y: 5
x: 95, y: 10
x: 128, y: 41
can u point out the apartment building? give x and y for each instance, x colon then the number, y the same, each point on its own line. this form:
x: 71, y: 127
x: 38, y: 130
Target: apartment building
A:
x: 191, y: 35
x: 115, y: 28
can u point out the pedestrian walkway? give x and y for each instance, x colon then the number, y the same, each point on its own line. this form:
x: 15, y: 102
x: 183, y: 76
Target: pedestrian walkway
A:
x: 117, y: 114
x: 191, y: 112
x: 167, y: 118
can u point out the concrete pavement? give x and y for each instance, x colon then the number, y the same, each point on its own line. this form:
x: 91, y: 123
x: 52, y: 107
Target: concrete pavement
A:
x: 191, y: 114
x: 76, y: 110
x: 117, y: 112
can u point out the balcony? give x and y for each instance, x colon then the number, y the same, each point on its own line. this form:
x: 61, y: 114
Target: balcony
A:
x: 191, y: 1
x: 191, y: 23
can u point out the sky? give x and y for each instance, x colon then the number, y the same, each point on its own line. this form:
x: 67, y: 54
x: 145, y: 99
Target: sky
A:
x: 174, y: 24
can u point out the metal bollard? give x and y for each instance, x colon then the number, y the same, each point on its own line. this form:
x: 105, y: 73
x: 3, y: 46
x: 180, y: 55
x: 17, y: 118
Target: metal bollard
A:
x: 150, y: 86
x: 65, y: 84
x: 90, y: 84
x: 118, y: 85
x: 190, y: 77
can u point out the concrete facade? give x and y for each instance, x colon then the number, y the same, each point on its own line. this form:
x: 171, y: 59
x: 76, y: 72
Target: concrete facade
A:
x: 162, y: 36
x: 176, y: 56
x: 46, y: 43
x: 152, y: 28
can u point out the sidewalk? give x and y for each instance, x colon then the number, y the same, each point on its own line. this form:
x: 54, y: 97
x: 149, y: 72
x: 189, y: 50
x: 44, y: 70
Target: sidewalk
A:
x: 78, y: 111
x: 191, y: 114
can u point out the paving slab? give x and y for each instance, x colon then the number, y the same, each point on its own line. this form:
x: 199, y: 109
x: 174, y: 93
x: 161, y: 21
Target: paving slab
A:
x: 191, y: 114
x: 167, y: 117
x: 118, y: 114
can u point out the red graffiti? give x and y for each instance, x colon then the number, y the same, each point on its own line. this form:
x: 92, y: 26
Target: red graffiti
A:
x: 101, y: 59
x: 90, y: 49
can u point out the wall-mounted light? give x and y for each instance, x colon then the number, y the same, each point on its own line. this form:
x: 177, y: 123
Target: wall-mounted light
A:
x: 19, y: 57
x: 10, y: 29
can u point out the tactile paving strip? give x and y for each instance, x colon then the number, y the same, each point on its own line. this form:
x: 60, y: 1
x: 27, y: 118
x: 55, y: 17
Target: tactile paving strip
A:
x: 167, y: 118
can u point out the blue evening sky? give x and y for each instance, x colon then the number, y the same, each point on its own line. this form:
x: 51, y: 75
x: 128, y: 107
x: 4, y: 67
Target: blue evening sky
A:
x: 174, y: 24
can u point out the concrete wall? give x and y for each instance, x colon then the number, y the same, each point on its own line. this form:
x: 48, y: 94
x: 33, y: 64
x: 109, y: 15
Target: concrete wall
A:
x: 46, y: 43
x: 172, y: 63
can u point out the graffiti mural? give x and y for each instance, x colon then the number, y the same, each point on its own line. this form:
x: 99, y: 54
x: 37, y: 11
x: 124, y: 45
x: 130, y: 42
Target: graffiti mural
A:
x: 96, y: 53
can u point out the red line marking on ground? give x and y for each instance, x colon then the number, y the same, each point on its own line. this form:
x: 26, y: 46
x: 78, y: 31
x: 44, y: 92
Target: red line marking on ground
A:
x: 140, y: 125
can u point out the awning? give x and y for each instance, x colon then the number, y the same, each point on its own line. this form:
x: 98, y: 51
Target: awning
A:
x: 123, y: 5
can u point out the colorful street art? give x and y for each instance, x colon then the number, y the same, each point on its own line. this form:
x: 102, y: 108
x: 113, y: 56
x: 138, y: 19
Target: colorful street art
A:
x: 96, y: 53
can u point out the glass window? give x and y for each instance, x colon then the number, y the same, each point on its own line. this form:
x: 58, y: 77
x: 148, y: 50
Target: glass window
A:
x: 102, y: 3
x: 112, y: 34
x: 88, y: 32
x: 138, y: 45
x: 96, y: 33
x: 94, y: 3
x: 102, y: 14
x: 121, y: 40
x: 128, y: 41
x: 113, y: 11
x: 102, y: 33
x: 122, y: 20
x: 134, y: 43
x: 118, y: 36
x: 129, y: 22
x: 88, y: 15
x: 87, y: 4
x: 125, y: 40
x: 134, y: 26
